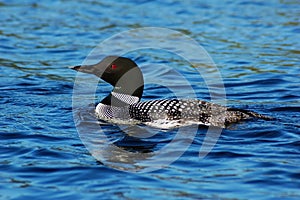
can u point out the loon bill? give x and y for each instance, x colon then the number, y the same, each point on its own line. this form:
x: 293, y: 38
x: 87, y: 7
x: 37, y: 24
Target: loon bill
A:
x: 123, y: 103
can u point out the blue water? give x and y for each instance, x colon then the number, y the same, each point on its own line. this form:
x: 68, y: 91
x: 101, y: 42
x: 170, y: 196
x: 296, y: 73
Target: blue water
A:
x: 254, y: 44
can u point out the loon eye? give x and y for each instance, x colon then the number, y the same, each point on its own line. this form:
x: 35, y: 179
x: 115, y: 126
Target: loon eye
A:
x: 113, y: 66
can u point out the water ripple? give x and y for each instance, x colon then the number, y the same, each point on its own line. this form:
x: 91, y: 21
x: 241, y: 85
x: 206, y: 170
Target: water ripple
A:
x: 255, y: 46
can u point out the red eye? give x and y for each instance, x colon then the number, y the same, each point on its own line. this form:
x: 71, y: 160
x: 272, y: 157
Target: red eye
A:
x: 113, y: 66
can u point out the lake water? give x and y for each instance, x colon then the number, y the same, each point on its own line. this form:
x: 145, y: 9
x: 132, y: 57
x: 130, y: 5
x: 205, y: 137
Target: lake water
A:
x: 255, y: 46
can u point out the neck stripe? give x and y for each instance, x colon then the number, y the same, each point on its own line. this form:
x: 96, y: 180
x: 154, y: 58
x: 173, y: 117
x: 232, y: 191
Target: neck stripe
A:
x: 126, y: 98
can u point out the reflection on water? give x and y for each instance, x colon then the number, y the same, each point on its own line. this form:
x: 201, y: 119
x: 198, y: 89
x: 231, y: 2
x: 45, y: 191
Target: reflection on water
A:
x: 131, y: 147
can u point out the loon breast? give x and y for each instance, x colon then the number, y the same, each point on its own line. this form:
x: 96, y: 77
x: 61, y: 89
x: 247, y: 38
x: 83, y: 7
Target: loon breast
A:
x: 105, y: 112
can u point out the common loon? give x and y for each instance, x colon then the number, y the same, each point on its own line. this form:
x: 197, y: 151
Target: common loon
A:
x: 123, y: 103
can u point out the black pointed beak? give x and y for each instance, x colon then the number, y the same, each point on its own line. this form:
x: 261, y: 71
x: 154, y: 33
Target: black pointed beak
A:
x: 90, y: 69
x: 75, y: 67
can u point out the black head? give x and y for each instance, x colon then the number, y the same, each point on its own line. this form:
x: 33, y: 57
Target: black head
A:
x: 121, y: 72
x: 110, y: 69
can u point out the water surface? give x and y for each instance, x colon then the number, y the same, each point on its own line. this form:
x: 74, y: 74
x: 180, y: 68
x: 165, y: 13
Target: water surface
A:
x: 255, y: 46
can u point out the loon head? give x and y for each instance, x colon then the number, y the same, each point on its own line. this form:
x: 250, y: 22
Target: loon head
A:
x: 122, y: 73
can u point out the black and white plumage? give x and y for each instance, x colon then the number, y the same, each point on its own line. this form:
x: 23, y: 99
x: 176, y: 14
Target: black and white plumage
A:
x: 123, y: 103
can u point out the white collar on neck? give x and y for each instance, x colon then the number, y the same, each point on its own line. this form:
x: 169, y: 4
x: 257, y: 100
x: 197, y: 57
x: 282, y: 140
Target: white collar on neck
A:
x: 125, y: 98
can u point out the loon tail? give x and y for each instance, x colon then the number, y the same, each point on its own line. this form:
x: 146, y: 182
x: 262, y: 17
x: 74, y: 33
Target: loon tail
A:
x: 251, y: 114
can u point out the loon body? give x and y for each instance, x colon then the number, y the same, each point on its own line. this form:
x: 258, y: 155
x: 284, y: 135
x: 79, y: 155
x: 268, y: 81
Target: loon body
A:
x: 123, y: 103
